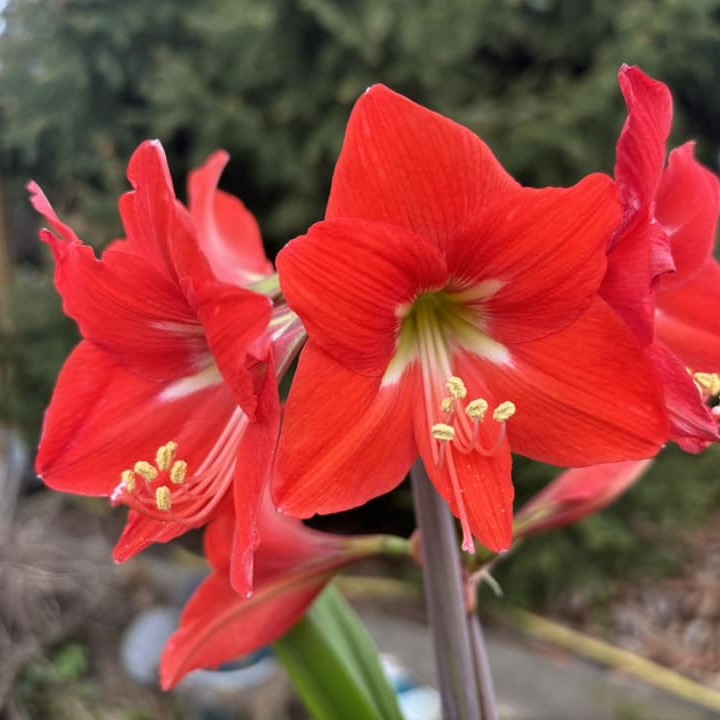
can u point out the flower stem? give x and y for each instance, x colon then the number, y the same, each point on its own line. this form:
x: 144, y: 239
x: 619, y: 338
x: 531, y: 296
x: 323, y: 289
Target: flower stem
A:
x: 482, y: 668
x: 445, y: 597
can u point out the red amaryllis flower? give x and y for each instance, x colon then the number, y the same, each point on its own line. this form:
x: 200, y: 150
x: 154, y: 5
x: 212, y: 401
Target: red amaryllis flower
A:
x: 171, y: 395
x: 661, y: 274
x: 292, y: 566
x: 577, y: 493
x: 452, y: 314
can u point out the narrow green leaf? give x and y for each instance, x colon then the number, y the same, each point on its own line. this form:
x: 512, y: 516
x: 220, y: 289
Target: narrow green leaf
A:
x: 334, y: 666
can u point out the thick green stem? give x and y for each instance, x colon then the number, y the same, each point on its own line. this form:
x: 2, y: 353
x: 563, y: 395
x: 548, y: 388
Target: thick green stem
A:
x: 445, y: 599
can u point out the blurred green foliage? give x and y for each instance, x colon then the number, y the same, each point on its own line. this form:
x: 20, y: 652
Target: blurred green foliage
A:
x: 82, y: 82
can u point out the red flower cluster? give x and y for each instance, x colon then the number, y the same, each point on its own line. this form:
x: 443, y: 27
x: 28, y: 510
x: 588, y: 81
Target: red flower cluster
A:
x: 451, y: 315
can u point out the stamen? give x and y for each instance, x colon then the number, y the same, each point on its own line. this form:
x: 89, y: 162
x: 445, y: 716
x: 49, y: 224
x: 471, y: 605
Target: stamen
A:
x: 707, y: 382
x: 178, y: 472
x: 443, y: 432
x: 477, y: 409
x: 163, y: 498
x: 448, y: 405
x: 456, y: 387
x: 146, y: 470
x: 165, y: 455
x: 504, y: 411
x: 127, y: 478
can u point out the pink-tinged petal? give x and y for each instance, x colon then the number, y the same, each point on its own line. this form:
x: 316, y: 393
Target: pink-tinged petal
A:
x: 234, y: 320
x: 641, y: 148
x: 577, y: 493
x: 228, y: 233
x: 123, y: 305
x: 254, y: 465
x: 540, y: 254
x: 141, y: 531
x: 584, y: 395
x: 688, y: 319
x: 408, y: 166
x: 103, y: 419
x: 43, y: 207
x: 351, y: 280
x: 688, y: 204
x: 692, y: 425
x: 344, y: 440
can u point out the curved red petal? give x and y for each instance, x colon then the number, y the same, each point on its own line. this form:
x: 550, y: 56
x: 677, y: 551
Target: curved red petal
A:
x: 584, y: 395
x: 349, y: 281
x: 688, y: 319
x: 544, y: 251
x: 408, y: 166
x: 344, y: 440
x: 687, y: 206
x: 228, y: 233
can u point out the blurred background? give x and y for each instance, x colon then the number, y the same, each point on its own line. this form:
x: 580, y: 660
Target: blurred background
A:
x: 82, y: 82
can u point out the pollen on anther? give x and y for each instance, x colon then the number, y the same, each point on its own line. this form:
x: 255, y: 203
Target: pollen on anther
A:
x: 708, y: 382
x: 165, y: 455
x: 448, y: 405
x: 178, y: 472
x: 443, y: 432
x: 456, y: 387
x: 163, y: 498
x: 477, y: 409
x: 504, y: 411
x: 145, y: 470
x: 127, y: 477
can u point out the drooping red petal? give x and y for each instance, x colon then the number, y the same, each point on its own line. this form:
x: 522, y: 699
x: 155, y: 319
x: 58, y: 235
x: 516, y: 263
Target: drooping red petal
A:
x: 578, y: 493
x: 584, y: 395
x: 344, y: 439
x: 688, y: 322
x: 348, y: 280
x: 408, y: 166
x: 641, y: 148
x: 228, y: 233
x: 692, y: 425
x: 542, y: 254
x: 218, y: 625
x: 102, y: 419
x: 688, y: 204
x: 123, y: 305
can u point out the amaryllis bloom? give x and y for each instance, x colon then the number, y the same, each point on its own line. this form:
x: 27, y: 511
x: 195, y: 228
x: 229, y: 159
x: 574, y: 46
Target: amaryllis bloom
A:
x: 453, y: 315
x: 169, y: 404
x: 661, y: 276
x: 575, y: 494
x: 292, y: 566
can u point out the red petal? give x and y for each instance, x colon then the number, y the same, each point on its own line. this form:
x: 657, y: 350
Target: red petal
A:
x: 228, y: 233
x: 584, y: 395
x: 692, y: 425
x: 544, y: 249
x: 219, y: 625
x: 688, y: 203
x: 408, y: 166
x: 344, y: 439
x: 688, y: 319
x: 577, y: 493
x: 348, y: 280
x: 641, y: 148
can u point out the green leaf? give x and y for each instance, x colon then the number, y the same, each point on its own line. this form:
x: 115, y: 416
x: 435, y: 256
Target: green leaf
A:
x: 334, y: 665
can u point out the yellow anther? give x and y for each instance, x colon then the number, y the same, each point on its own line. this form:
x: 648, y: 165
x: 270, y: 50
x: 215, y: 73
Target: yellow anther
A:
x: 443, y: 432
x: 163, y: 498
x: 165, y: 455
x: 178, y: 472
x: 708, y: 382
x: 456, y: 387
x: 504, y: 411
x: 477, y: 409
x: 448, y: 405
x: 145, y: 470
x: 128, y: 480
